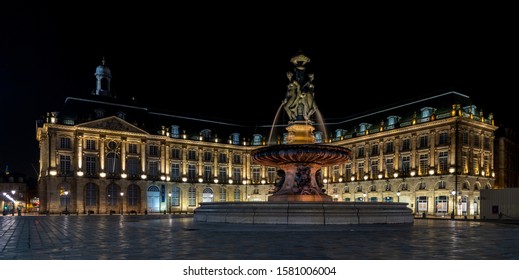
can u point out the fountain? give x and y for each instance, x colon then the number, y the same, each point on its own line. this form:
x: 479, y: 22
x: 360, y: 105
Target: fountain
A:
x: 299, y: 196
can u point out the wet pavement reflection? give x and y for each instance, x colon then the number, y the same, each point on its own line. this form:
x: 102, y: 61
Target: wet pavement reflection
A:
x: 180, y: 238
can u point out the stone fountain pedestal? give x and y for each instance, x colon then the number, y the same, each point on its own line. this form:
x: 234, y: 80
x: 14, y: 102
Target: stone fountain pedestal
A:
x: 304, y: 212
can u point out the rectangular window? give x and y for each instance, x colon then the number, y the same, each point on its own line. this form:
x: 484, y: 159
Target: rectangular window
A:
x: 406, y: 165
x: 336, y: 173
x: 360, y: 170
x: 175, y: 153
x: 191, y: 172
x: 208, y: 173
x: 223, y: 195
x: 132, y: 148
x: 192, y: 196
x: 421, y: 203
x: 175, y: 171
x: 91, y: 165
x: 465, y: 138
x: 91, y: 195
x: 374, y: 169
x: 360, y: 152
x: 476, y: 141
x: 64, y: 143
x: 153, y: 168
x: 424, y: 141
x: 389, y: 167
x: 256, y: 175
x: 65, y: 165
x: 347, y: 171
x: 374, y: 150
x: 132, y: 167
x: 90, y: 144
x: 133, y: 196
x: 237, y: 175
x: 443, y: 160
x: 237, y: 194
x: 444, y: 138
x: 222, y: 158
x: 208, y: 156
x: 222, y: 174
x: 441, y: 204
x: 191, y: 155
x: 390, y: 148
x: 154, y: 150
x: 175, y: 196
x: 424, y: 164
x: 236, y: 158
x: 406, y: 144
x: 486, y: 143
x: 271, y: 174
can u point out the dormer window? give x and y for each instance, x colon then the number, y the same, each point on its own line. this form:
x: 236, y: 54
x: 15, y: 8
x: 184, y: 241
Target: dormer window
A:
x: 175, y: 131
x: 100, y: 113
x: 121, y: 115
x: 235, y: 138
x: 318, y: 137
x: 392, y: 121
x: 206, y: 134
x: 427, y: 112
x: 256, y: 139
x: 363, y: 127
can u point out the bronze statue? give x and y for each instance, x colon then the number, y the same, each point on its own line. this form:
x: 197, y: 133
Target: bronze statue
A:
x: 299, y: 101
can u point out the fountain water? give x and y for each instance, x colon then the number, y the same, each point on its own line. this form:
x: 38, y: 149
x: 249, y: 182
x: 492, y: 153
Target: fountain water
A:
x: 299, y: 196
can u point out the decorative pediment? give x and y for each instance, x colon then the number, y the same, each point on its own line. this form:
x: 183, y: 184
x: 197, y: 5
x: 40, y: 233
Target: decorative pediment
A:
x: 112, y: 123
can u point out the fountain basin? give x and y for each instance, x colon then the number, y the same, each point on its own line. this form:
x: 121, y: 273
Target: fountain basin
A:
x: 322, y: 155
x: 314, y: 213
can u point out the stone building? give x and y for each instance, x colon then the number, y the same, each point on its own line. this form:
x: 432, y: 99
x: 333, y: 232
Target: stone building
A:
x: 105, y: 155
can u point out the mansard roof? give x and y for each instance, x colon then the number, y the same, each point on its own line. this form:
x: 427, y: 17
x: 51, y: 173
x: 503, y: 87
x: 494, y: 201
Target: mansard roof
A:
x: 85, y: 112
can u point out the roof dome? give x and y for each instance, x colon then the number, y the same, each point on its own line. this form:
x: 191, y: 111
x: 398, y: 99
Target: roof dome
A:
x: 103, y: 70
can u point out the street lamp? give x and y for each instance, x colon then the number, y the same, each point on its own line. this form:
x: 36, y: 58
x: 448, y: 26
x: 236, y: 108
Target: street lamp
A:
x: 169, y: 194
x: 398, y: 196
x: 13, y: 192
x: 246, y: 190
x: 66, y: 202
x: 453, y: 203
x: 122, y: 202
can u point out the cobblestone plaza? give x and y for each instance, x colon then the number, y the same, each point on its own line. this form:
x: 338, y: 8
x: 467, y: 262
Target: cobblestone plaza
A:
x: 178, y: 237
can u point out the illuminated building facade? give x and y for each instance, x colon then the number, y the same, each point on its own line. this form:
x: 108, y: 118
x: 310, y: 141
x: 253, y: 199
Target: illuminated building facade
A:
x: 101, y: 155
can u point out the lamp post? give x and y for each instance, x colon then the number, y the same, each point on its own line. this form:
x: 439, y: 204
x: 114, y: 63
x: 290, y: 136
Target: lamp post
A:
x: 453, y: 170
x: 246, y: 189
x: 13, y: 192
x: 169, y: 201
x: 66, y: 202
x: 453, y: 203
x: 122, y: 202
x: 398, y: 196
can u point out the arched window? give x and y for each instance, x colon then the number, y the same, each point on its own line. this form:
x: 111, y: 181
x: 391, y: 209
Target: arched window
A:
x: 90, y: 195
x: 207, y: 195
x: 192, y: 196
x: 237, y: 194
x: 134, y: 195
x: 223, y: 194
x: 175, y: 196
x: 112, y: 194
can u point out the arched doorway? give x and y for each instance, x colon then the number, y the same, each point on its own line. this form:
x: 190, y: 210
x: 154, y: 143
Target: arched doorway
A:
x: 153, y: 202
x: 207, y: 195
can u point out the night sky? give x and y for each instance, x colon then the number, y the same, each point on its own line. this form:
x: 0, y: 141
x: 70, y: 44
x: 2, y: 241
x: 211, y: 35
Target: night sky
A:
x: 232, y: 65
